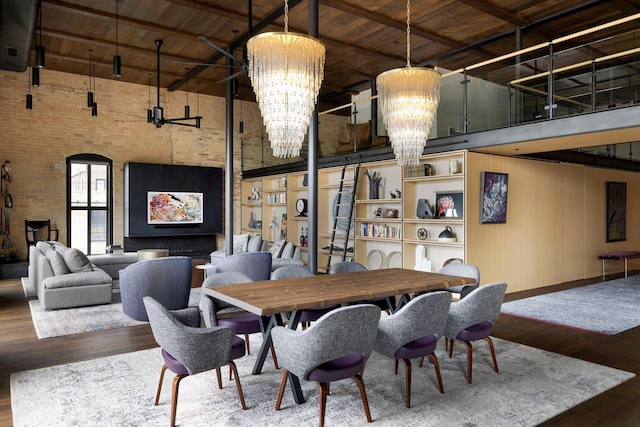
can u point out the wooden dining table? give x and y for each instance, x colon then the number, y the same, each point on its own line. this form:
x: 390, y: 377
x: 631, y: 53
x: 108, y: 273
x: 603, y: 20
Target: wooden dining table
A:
x: 270, y: 299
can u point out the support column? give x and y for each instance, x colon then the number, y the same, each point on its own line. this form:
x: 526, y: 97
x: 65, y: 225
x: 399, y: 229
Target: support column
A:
x: 312, y: 167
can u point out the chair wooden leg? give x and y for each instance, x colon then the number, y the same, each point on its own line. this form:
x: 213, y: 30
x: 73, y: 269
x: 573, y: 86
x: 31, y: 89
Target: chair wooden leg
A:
x: 363, y: 394
x: 436, y: 365
x: 164, y: 369
x: 232, y: 366
x: 246, y: 338
x: 174, y: 398
x: 273, y: 356
x: 407, y: 382
x: 450, y: 345
x: 219, y: 375
x: 324, y: 391
x: 283, y: 384
x: 396, y: 363
x: 469, y: 360
x: 493, y: 353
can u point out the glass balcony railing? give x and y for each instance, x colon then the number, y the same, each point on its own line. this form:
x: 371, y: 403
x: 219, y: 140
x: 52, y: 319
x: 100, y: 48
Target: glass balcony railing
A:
x: 591, y: 71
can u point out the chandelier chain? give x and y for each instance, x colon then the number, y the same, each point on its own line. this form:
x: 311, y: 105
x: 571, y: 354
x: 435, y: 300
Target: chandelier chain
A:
x: 408, y: 34
x: 286, y: 16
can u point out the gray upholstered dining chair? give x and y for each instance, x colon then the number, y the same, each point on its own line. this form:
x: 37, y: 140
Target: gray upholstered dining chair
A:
x: 387, y: 304
x: 336, y: 347
x: 188, y: 349
x: 240, y: 321
x: 472, y: 318
x: 464, y: 270
x: 414, y: 331
x: 168, y: 280
x: 255, y: 265
x: 308, y: 315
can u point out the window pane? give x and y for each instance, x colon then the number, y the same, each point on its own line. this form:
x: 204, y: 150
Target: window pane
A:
x: 98, y: 232
x: 79, y: 184
x: 99, y: 188
x: 79, y: 222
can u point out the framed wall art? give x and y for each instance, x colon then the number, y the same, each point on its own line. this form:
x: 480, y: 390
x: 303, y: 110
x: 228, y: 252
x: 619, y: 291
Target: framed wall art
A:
x: 493, y: 197
x: 450, y: 204
x: 170, y: 207
x: 616, y: 211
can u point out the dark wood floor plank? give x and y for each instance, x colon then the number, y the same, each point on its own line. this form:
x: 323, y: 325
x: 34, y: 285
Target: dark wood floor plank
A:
x: 21, y: 350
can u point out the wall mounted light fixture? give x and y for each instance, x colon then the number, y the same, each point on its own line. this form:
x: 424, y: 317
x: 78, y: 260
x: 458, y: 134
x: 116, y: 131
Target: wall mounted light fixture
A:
x: 90, y: 93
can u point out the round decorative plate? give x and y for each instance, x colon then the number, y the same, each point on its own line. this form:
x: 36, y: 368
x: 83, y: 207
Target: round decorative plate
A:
x: 343, y: 211
x: 422, y: 233
x: 375, y: 259
x: 394, y: 260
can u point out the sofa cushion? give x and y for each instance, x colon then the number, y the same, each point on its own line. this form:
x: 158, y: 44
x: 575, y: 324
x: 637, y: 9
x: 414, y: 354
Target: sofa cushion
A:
x: 254, y: 244
x: 240, y: 242
x: 76, y: 260
x: 56, y: 260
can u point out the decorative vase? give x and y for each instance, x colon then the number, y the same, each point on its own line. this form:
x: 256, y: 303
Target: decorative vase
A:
x: 252, y: 222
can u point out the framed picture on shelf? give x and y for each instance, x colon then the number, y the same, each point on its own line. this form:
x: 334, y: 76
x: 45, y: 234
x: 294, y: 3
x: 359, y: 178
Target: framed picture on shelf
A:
x: 493, y: 197
x: 450, y: 204
x: 616, y: 211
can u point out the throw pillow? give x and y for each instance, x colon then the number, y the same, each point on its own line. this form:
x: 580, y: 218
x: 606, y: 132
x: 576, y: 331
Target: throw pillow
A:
x: 58, y: 265
x: 287, y: 250
x: 240, y: 243
x: 255, y: 243
x: 76, y: 260
x: 276, y: 248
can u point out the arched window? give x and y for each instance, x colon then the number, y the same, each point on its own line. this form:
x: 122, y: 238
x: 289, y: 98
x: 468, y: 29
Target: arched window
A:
x: 89, y: 202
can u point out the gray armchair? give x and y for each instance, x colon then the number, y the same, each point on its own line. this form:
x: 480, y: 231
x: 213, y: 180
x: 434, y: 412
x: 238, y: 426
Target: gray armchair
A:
x: 414, y: 331
x: 472, y: 318
x: 240, y: 321
x: 335, y: 348
x: 255, y: 265
x: 167, y: 280
x: 188, y: 349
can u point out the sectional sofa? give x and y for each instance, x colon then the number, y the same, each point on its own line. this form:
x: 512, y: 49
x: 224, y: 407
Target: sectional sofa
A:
x: 65, y: 277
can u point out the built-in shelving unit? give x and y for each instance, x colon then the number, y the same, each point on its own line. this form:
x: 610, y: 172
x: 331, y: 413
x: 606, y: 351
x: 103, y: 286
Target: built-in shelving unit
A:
x: 386, y: 230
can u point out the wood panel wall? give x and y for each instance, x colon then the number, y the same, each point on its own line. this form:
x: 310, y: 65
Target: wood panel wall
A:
x: 555, y: 226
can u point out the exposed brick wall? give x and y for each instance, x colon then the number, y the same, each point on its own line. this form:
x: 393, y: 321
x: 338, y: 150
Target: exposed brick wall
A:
x: 38, y: 141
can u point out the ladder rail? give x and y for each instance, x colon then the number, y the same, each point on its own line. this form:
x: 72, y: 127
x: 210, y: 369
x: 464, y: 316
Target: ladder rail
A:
x: 337, y: 217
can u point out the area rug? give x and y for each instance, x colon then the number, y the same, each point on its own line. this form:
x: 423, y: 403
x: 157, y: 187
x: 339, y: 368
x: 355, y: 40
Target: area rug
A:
x: 54, y: 323
x: 606, y: 308
x: 532, y: 386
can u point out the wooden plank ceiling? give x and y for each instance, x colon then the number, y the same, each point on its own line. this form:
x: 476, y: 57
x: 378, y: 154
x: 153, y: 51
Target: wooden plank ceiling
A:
x: 363, y: 37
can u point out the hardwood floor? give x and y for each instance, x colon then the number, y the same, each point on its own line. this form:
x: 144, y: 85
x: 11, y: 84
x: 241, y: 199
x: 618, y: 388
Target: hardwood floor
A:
x: 21, y: 350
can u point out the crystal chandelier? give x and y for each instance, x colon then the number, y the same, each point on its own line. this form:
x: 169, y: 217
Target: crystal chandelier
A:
x: 286, y: 71
x: 408, y: 99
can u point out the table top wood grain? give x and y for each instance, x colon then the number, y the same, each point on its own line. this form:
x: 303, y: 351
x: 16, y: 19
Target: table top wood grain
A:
x: 280, y: 296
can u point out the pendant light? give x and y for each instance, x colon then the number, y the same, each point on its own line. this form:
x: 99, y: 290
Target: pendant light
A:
x: 117, y: 60
x: 408, y: 99
x: 149, y: 110
x: 187, y: 110
x: 39, y: 46
x: 29, y: 97
x: 94, y: 107
x: 90, y: 93
x: 286, y: 71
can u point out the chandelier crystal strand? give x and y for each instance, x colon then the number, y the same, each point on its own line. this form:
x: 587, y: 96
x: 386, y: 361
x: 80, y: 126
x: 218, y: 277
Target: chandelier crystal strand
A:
x: 408, y: 99
x: 286, y: 71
